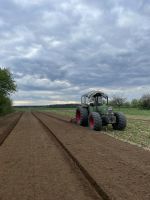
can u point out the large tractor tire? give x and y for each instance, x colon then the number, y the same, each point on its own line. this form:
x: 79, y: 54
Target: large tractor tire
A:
x: 95, y: 121
x: 82, y: 116
x: 121, y: 121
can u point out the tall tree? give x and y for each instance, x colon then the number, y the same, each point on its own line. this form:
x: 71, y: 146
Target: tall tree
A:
x: 7, y: 86
x: 118, y: 100
x: 7, y: 83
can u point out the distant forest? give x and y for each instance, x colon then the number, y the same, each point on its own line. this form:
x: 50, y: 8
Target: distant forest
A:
x: 51, y: 106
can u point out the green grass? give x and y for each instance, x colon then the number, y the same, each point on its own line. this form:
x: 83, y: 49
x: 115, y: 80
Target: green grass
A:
x: 127, y: 111
x: 134, y: 111
x: 64, y: 112
x: 137, y: 132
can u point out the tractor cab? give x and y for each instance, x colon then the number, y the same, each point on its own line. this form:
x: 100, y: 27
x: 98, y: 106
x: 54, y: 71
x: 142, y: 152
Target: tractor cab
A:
x: 94, y: 98
x: 95, y: 101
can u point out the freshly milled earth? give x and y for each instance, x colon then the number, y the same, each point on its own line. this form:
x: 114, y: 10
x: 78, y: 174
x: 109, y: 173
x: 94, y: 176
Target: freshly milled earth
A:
x: 34, y: 166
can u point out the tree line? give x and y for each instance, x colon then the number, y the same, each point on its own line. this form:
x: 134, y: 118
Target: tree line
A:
x: 116, y: 101
x: 7, y: 86
x: 141, y: 103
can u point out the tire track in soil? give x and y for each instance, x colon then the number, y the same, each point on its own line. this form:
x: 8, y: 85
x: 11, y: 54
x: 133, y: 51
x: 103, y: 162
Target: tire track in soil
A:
x: 10, y: 128
x: 86, y: 174
x: 34, y: 167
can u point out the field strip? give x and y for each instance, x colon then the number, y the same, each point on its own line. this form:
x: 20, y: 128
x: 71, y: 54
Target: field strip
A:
x: 105, y: 158
x: 10, y: 129
x: 55, y: 116
x: 86, y: 174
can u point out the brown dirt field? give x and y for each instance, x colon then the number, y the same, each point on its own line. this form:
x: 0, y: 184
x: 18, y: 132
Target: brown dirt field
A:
x: 121, y: 169
x: 34, y: 167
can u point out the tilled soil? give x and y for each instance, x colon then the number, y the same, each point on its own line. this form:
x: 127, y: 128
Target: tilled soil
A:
x: 7, y: 123
x: 34, y: 167
x: 121, y: 169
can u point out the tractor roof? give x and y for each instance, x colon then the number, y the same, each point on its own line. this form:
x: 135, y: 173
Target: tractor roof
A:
x: 95, y: 93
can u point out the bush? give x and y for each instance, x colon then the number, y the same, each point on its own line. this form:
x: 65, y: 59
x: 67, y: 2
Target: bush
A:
x: 145, y: 101
x: 135, y: 103
x: 5, y: 105
x: 127, y: 104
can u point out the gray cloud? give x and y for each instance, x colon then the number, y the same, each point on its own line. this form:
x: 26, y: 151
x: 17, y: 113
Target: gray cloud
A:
x: 59, y: 49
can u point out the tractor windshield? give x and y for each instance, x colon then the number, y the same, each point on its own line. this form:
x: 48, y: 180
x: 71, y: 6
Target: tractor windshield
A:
x: 94, y: 98
x: 102, y: 100
x: 98, y: 100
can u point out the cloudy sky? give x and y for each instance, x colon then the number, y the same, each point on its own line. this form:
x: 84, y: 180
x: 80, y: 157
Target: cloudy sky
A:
x: 58, y: 49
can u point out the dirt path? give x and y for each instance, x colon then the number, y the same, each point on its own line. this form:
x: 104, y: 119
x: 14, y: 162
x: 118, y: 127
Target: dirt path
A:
x: 123, y: 170
x: 33, y: 167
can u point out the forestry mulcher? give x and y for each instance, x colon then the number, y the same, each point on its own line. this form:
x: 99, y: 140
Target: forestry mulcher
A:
x: 95, y: 112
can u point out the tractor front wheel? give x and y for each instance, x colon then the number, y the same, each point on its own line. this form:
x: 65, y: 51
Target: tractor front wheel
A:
x: 95, y: 121
x: 82, y: 116
x: 121, y: 121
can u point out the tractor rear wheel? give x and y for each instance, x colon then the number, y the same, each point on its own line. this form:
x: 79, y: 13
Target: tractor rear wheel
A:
x: 82, y: 116
x: 95, y: 121
x: 121, y: 121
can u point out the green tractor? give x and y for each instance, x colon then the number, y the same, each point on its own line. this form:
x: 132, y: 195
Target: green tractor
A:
x: 95, y: 112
